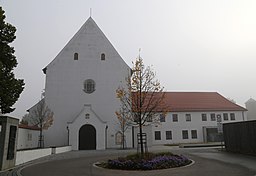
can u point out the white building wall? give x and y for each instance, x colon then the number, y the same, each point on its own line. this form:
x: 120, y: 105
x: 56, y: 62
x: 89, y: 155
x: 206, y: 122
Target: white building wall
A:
x: 65, y: 82
x: 251, y: 107
x: 196, y: 123
x: 27, y: 138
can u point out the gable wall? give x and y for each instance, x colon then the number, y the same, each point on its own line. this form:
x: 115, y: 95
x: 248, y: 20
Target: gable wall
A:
x: 65, y: 78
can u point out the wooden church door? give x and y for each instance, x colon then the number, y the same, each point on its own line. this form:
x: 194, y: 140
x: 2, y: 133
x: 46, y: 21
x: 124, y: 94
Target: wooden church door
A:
x: 87, y: 137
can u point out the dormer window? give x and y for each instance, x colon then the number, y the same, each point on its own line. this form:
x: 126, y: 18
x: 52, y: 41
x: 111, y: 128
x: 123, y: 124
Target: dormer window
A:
x: 76, y: 56
x: 102, y: 56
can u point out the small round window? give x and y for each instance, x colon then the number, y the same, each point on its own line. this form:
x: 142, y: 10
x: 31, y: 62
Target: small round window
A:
x: 89, y: 86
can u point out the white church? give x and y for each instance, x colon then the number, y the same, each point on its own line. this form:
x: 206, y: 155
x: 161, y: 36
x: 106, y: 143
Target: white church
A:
x: 80, y: 89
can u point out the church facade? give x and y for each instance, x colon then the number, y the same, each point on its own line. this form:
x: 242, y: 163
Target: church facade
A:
x: 80, y: 89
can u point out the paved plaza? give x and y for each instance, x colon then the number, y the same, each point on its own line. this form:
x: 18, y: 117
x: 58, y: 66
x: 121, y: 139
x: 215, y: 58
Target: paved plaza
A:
x: 207, y: 161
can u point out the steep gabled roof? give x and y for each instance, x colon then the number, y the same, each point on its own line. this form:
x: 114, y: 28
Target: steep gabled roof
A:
x: 89, y: 28
x: 199, y: 101
x: 251, y: 100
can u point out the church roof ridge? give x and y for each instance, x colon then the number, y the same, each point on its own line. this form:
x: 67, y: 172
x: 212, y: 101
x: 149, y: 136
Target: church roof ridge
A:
x: 81, y: 29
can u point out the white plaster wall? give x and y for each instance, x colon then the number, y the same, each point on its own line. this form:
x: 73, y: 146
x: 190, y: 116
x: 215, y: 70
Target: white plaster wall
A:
x: 196, y: 123
x: 65, y: 78
x: 94, y: 121
x: 29, y: 155
x: 23, y: 138
x: 251, y: 107
x: 63, y: 149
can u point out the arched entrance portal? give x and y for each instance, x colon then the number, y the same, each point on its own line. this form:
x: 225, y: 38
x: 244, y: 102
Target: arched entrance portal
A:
x: 87, y: 137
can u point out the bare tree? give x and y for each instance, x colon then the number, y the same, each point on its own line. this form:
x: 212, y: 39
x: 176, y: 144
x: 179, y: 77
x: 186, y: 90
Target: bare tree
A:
x: 142, y: 98
x: 124, y: 122
x: 42, y: 117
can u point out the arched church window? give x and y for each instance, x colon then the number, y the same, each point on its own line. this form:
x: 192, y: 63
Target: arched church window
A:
x: 76, y: 56
x: 89, y: 86
x: 102, y: 56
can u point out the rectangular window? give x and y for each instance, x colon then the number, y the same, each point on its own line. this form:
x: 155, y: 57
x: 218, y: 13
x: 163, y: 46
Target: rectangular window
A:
x: 168, y: 135
x: 162, y: 117
x: 213, y: 117
x: 157, y: 135
x: 204, y: 117
x: 188, y: 117
x: 175, y: 117
x: 29, y: 137
x: 194, y: 134
x: 149, y: 118
x: 225, y: 116
x: 184, y: 134
x: 232, y: 116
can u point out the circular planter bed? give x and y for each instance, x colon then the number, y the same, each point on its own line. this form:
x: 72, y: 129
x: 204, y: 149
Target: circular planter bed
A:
x: 150, y: 161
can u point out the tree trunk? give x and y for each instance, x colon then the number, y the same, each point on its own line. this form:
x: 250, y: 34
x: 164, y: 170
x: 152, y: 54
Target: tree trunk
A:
x: 123, y: 140
x: 40, y: 139
x: 141, y: 141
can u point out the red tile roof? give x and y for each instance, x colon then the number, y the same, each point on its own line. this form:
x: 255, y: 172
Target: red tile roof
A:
x: 199, y: 101
x: 29, y: 127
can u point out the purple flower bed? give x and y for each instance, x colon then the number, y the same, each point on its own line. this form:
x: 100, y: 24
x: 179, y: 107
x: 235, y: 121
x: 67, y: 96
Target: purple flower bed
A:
x: 155, y: 161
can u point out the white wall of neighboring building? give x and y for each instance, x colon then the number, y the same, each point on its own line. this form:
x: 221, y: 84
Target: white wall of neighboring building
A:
x: 27, y: 138
x: 196, y: 123
x: 251, y: 107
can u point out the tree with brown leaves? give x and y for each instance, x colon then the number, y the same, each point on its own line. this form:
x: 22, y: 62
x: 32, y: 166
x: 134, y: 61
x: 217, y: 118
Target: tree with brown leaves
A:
x: 142, y: 99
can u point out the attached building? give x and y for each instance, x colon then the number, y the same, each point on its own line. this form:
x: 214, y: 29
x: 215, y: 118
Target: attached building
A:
x: 194, y: 116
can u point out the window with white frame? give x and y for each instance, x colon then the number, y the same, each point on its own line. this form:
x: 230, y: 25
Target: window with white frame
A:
x: 162, y: 117
x: 225, y: 116
x: 157, y: 135
x: 204, y: 117
x: 213, y: 117
x: 29, y: 137
x: 188, y: 117
x: 194, y: 134
x: 232, y: 116
x: 184, y: 134
x: 149, y: 118
x: 168, y: 135
x: 175, y: 117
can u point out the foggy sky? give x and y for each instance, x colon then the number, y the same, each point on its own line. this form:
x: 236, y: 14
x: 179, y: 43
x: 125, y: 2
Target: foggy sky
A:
x: 193, y: 45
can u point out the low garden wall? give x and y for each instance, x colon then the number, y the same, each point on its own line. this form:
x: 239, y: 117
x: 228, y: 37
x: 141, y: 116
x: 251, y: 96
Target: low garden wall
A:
x: 24, y: 156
